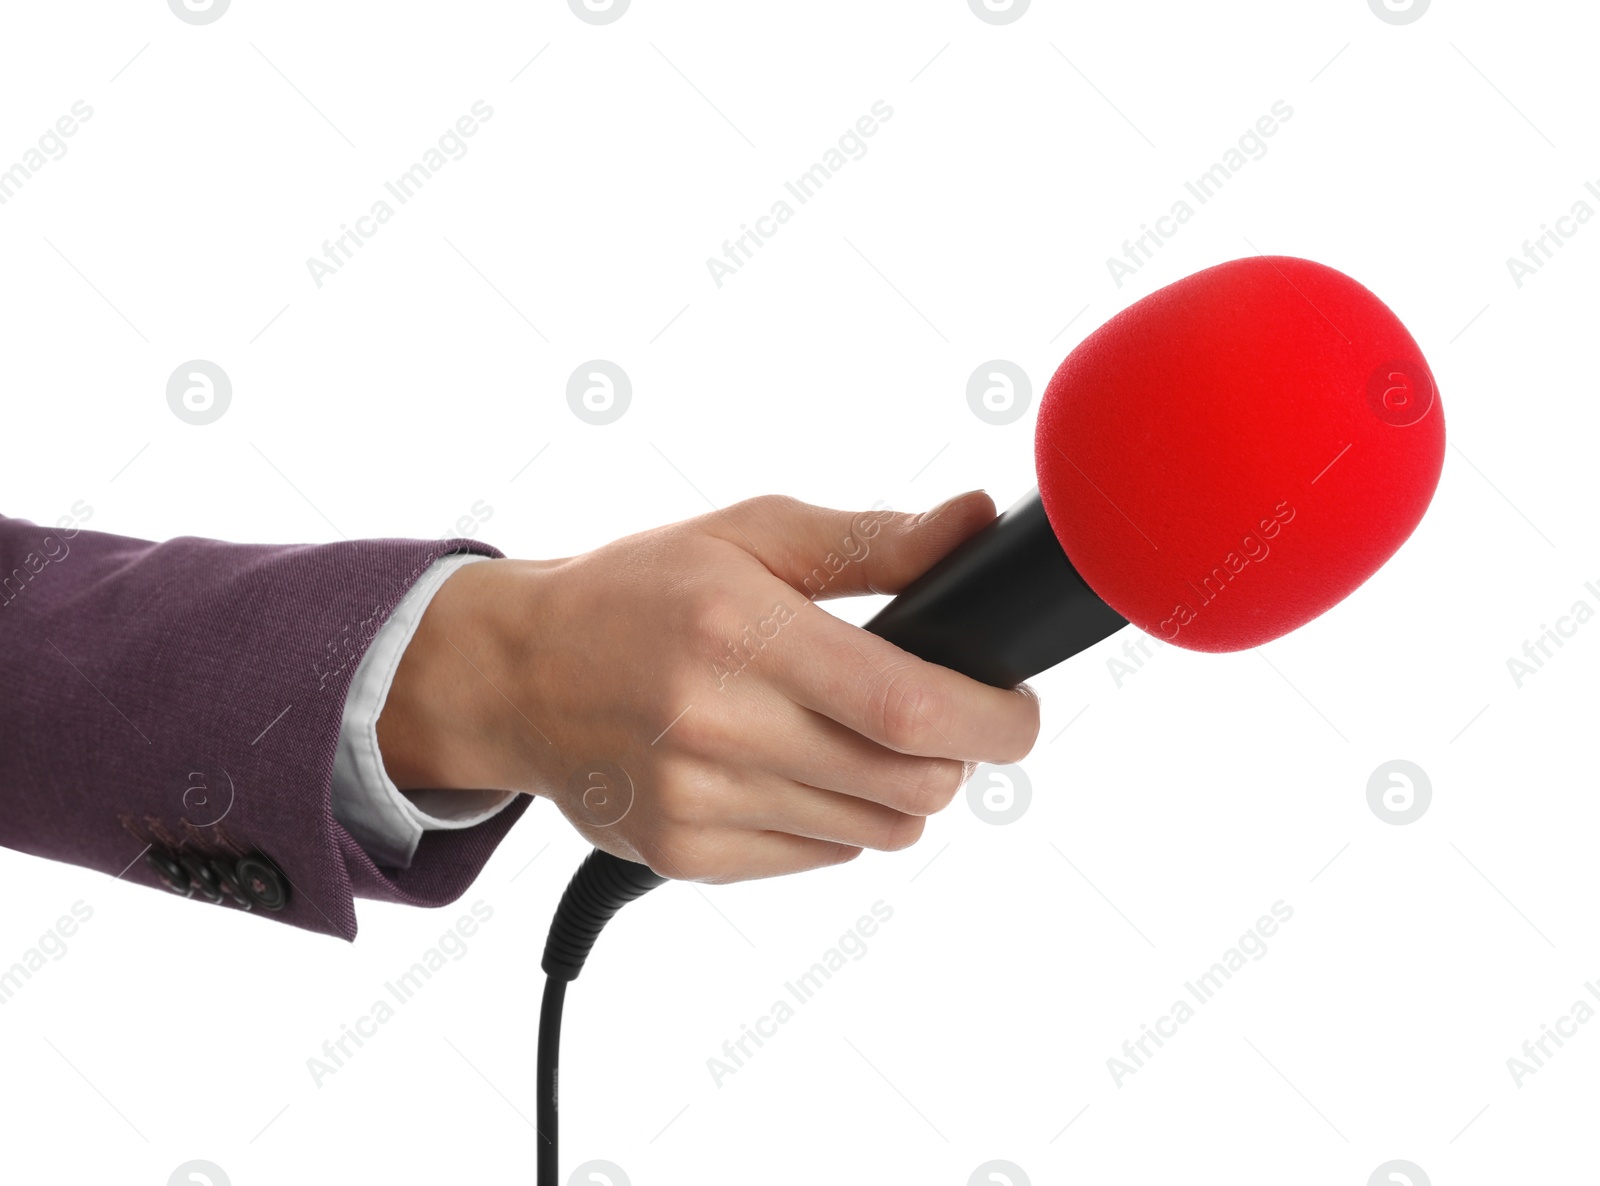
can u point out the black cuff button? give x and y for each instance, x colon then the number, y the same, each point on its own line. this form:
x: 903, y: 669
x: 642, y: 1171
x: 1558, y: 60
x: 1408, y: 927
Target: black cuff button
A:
x: 228, y: 881
x: 261, y: 882
x: 202, y: 875
x: 169, y: 872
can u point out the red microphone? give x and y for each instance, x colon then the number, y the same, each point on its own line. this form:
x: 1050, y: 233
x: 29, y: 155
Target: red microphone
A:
x: 1218, y: 464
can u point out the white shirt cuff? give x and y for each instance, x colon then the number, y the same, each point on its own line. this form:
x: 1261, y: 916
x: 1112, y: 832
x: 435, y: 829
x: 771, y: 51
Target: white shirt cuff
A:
x: 385, y: 820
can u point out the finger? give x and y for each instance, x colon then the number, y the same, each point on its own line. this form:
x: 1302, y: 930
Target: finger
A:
x: 736, y: 855
x: 781, y: 805
x: 805, y: 747
x: 889, y: 696
x: 827, y: 553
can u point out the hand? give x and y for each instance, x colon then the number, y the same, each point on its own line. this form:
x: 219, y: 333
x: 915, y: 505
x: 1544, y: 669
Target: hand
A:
x: 685, y: 705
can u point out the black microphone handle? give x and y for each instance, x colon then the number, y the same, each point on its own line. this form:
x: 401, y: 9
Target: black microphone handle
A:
x: 1003, y: 606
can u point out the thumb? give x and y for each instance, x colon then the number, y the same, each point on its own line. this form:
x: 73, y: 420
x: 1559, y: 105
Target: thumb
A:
x: 828, y: 553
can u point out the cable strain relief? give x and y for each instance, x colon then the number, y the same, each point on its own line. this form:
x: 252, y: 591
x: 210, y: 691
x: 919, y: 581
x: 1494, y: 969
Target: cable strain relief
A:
x: 603, y: 885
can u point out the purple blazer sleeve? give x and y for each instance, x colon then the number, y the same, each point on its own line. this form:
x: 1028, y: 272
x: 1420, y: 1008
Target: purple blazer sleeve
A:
x: 169, y: 714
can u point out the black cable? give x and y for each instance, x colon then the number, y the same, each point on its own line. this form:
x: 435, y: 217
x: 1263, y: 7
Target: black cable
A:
x: 555, y: 995
x: 603, y: 885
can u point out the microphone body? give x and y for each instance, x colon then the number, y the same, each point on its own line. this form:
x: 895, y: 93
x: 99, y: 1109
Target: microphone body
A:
x: 1005, y: 605
x: 1266, y: 407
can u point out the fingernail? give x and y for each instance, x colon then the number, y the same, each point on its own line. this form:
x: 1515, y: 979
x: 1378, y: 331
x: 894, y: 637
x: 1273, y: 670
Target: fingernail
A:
x: 949, y: 502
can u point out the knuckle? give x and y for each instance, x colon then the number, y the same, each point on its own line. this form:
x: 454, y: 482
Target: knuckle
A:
x: 842, y: 854
x: 903, y: 831
x: 780, y: 502
x: 697, y: 728
x: 714, y: 615
x: 1024, y: 731
x: 685, y: 802
x: 904, y: 709
x: 770, y: 507
x: 934, y: 785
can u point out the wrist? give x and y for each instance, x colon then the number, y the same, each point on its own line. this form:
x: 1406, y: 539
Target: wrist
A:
x: 442, y: 722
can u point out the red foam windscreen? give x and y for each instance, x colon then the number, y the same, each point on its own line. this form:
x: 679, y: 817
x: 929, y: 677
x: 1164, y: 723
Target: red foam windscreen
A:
x: 1234, y: 454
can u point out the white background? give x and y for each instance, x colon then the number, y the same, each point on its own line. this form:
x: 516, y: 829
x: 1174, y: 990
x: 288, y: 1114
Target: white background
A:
x: 1168, y: 813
